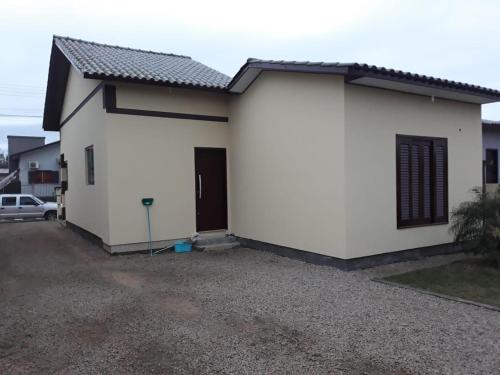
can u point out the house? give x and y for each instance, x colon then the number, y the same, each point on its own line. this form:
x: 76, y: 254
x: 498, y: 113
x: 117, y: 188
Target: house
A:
x: 330, y: 162
x: 20, y: 143
x: 491, y: 145
x: 38, y: 165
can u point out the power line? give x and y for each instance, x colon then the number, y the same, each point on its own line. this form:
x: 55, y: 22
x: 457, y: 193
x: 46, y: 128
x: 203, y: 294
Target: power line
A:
x: 17, y: 90
x: 23, y: 89
x: 13, y: 115
x: 20, y: 85
x: 36, y: 96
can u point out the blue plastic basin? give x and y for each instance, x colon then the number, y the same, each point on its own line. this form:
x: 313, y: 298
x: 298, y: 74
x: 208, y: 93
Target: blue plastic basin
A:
x: 182, y: 247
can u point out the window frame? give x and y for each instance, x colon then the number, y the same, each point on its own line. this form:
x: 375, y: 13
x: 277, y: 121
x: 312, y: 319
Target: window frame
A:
x: 8, y: 205
x: 89, y: 172
x: 496, y: 165
x: 41, y: 177
x: 28, y: 205
x: 421, y: 220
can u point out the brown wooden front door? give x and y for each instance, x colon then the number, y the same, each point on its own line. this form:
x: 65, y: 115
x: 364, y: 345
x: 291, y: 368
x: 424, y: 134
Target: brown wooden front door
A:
x: 211, y: 188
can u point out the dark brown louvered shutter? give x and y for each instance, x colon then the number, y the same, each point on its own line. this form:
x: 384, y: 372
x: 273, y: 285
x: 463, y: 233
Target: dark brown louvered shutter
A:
x: 403, y: 179
x: 422, y: 180
x: 427, y: 180
x: 415, y: 182
x: 440, y: 181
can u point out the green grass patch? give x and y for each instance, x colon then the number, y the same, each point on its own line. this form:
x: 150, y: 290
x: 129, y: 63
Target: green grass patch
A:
x: 473, y: 279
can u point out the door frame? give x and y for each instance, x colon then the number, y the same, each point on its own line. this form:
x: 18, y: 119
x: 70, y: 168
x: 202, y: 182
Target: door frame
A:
x: 9, y: 212
x: 226, y: 205
x: 29, y: 211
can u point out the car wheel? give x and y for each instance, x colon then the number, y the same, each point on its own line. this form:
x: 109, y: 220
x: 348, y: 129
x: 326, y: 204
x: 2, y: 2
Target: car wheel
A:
x: 51, y: 215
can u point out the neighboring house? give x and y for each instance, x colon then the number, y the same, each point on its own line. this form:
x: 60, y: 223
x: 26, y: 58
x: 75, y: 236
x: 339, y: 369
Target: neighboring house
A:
x: 38, y: 169
x: 491, y: 145
x: 342, y: 160
x: 20, y: 143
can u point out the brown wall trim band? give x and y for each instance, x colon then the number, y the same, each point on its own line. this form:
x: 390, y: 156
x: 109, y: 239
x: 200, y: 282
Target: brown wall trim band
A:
x: 110, y: 105
x: 84, y: 101
x: 184, y: 116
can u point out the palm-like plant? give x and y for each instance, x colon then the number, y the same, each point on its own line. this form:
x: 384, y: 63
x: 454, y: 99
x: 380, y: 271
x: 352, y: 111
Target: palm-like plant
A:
x: 476, y: 224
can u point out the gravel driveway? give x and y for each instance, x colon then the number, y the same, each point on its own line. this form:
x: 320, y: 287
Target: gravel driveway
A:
x: 68, y: 307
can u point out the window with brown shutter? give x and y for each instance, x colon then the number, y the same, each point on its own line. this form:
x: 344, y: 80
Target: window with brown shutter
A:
x: 43, y: 177
x: 422, y: 180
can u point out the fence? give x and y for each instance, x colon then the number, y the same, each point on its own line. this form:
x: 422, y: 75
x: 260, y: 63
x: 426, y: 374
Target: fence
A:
x: 47, y: 191
x: 13, y: 188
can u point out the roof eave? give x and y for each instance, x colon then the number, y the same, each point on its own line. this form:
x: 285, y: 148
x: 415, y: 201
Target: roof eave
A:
x: 491, y: 125
x: 251, y: 70
x: 34, y: 149
x: 59, y: 67
x: 113, y: 78
x: 478, y: 94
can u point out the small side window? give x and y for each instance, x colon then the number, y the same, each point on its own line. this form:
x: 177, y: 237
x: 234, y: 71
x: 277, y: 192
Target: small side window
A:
x: 89, y: 165
x: 8, y: 201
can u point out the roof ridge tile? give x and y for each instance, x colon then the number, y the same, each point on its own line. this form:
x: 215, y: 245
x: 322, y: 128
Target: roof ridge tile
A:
x: 120, y: 47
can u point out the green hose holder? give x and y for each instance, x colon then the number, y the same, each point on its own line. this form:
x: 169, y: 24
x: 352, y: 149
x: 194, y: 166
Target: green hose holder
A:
x: 148, y: 202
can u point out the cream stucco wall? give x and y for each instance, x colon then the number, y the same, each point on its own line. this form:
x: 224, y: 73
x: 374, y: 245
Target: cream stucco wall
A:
x: 86, y: 205
x: 373, y: 118
x: 77, y: 89
x: 311, y: 161
x: 168, y: 99
x: 287, y: 164
x: 154, y: 157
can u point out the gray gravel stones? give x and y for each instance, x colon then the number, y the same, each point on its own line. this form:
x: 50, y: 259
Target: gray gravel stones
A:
x: 68, y: 307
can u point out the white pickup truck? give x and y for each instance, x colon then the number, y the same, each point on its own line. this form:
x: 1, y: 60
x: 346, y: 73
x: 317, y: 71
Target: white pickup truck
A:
x: 26, y: 206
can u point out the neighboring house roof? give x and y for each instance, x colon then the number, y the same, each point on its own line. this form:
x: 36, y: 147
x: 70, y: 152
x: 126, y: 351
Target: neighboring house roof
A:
x: 490, y: 122
x: 34, y: 149
x: 491, y: 125
x: 369, y: 75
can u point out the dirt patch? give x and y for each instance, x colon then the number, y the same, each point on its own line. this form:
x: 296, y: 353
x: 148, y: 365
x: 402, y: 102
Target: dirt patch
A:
x: 128, y: 279
x: 180, y: 306
x: 91, y: 332
x: 21, y: 366
x: 180, y: 356
x: 268, y: 336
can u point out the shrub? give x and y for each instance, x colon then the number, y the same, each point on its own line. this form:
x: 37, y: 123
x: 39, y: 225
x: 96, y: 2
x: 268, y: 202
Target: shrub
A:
x: 476, y: 224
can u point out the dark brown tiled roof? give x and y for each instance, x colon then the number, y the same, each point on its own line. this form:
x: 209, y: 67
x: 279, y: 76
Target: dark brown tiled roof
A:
x: 413, y: 77
x: 354, y: 70
x: 107, y: 62
x: 104, y: 61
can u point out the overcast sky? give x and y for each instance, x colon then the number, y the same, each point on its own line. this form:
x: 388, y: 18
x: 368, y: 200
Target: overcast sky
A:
x: 448, y: 39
